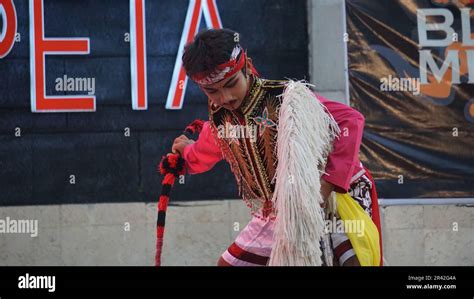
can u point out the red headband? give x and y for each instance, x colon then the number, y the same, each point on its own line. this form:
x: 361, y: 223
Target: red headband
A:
x: 225, y: 70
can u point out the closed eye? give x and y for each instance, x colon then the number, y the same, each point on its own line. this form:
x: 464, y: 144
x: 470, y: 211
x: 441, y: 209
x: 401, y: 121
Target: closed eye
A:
x: 232, y: 85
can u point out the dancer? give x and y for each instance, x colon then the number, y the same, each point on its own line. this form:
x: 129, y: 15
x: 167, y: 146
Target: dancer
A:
x: 288, y: 148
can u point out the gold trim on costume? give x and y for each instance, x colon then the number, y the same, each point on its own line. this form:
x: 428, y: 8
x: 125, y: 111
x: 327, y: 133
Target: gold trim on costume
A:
x: 253, y: 163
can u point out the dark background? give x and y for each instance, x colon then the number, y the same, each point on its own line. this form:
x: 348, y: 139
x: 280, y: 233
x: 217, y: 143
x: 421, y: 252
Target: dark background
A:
x: 109, y: 167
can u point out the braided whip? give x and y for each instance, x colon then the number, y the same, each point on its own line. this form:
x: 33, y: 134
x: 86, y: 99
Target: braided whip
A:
x: 171, y: 166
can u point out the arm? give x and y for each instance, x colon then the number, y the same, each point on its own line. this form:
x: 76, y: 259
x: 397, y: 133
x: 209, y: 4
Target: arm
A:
x: 202, y: 155
x: 344, y: 158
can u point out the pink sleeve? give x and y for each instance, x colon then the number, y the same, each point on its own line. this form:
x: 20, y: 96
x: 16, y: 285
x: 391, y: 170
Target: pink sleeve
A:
x: 344, y: 158
x: 202, y: 155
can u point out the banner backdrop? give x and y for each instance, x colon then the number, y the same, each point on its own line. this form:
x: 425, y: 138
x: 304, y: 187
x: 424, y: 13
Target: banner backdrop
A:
x: 92, y: 92
x: 411, y: 73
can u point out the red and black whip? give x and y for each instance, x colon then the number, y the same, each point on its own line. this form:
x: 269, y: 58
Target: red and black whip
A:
x: 171, y: 166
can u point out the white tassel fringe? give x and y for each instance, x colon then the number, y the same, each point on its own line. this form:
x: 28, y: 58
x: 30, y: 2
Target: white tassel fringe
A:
x: 305, y: 134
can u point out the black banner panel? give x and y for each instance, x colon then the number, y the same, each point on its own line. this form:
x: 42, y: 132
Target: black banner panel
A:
x: 92, y: 92
x: 411, y: 74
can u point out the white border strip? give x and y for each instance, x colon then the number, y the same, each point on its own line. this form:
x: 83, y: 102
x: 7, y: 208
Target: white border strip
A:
x: 425, y: 201
x: 178, y: 62
x: 4, y: 22
x: 346, y: 55
x: 134, y: 56
x: 207, y: 14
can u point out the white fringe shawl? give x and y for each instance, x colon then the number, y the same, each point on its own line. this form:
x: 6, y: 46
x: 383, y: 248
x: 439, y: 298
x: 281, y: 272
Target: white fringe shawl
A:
x: 305, y: 134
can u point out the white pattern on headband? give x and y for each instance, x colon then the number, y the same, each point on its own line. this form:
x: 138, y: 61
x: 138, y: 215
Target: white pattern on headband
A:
x: 217, y: 75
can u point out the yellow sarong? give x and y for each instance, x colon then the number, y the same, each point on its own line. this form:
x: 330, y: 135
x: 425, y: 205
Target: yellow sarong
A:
x: 366, y: 244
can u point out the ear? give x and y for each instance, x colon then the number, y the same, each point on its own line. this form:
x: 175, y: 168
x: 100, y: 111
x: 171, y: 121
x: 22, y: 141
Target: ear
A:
x: 249, y: 65
x: 246, y: 68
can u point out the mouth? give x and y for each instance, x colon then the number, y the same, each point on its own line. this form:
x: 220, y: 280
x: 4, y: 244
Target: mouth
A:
x: 231, y: 104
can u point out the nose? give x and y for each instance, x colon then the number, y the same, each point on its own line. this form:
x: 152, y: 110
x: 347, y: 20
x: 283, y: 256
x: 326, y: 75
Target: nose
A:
x: 225, y: 98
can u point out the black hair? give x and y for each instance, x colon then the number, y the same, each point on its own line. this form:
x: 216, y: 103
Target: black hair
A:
x: 209, y: 49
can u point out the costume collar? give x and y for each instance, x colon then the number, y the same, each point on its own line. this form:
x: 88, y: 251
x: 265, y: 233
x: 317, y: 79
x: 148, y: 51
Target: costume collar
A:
x: 252, y: 95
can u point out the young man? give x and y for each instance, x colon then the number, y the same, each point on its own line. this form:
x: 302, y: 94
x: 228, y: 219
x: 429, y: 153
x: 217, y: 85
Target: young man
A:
x: 248, y: 124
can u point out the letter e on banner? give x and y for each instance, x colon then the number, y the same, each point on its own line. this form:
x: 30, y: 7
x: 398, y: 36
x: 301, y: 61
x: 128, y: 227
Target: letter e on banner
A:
x: 39, y: 48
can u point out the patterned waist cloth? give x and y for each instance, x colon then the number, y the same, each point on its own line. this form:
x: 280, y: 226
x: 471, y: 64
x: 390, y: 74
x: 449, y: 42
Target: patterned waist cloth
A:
x: 253, y: 245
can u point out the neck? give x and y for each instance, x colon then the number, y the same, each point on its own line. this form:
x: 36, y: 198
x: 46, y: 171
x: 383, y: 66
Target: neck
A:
x: 250, y: 81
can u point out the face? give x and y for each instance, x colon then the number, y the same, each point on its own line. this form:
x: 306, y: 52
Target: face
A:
x: 228, y: 93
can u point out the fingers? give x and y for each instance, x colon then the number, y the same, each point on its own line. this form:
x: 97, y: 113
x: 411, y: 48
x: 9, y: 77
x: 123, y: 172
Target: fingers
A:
x: 182, y: 137
x: 179, y: 143
x: 174, y: 148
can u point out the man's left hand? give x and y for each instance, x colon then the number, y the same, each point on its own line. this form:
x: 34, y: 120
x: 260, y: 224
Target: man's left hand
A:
x: 326, y: 189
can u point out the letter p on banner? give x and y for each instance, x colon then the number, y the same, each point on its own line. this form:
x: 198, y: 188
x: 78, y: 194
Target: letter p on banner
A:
x: 39, y: 48
x: 7, y: 35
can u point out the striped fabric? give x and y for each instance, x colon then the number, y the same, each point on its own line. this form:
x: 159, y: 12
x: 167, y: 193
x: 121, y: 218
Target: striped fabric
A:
x: 237, y: 256
x: 254, y: 243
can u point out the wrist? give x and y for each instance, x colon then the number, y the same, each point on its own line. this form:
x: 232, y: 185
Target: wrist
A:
x: 326, y: 189
x: 183, y: 147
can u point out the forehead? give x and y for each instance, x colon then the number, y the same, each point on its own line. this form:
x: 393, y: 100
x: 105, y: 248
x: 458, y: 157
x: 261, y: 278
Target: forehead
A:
x: 221, y: 83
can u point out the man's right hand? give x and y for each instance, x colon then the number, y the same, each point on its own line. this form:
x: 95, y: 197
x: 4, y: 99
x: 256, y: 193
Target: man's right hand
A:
x: 180, y: 143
